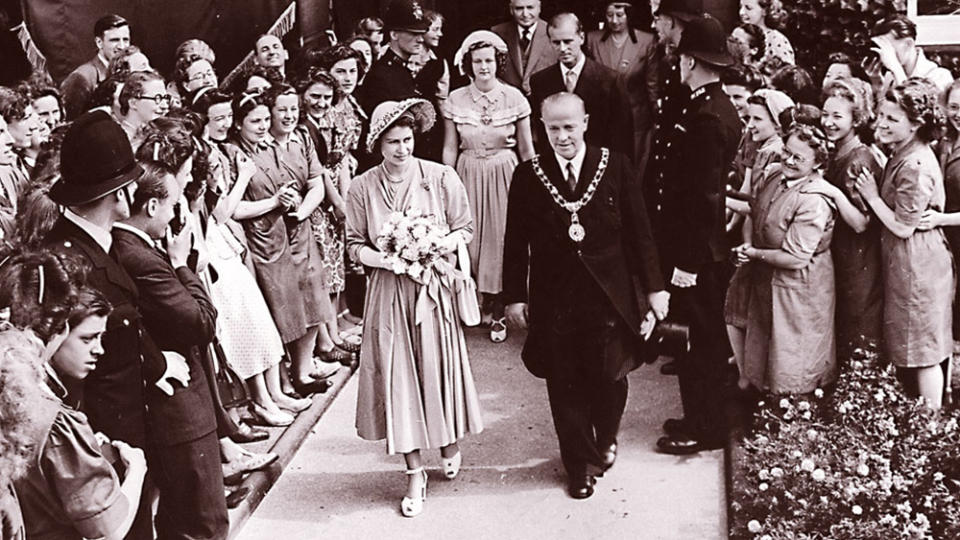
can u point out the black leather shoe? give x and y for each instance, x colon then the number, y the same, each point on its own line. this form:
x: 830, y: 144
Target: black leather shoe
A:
x: 581, y: 486
x: 669, y: 368
x: 249, y: 434
x: 682, y: 445
x: 235, y: 497
x: 609, y: 454
x: 312, y: 387
x: 674, y: 426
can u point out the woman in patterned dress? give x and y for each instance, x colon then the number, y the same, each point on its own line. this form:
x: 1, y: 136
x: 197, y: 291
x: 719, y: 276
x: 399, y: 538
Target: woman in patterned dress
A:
x: 245, y: 328
x: 762, y: 13
x: 348, y: 67
x: 487, y: 125
x: 416, y: 388
x: 917, y: 264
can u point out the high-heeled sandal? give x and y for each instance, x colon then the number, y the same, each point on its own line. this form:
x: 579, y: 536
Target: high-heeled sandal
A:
x: 451, y: 466
x: 411, y: 507
x: 498, y: 330
x: 265, y: 417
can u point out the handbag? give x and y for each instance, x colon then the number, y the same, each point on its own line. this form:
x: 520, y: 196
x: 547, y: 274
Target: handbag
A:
x: 467, y: 304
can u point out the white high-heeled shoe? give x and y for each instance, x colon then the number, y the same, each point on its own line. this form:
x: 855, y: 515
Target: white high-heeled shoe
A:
x: 451, y: 466
x: 411, y: 507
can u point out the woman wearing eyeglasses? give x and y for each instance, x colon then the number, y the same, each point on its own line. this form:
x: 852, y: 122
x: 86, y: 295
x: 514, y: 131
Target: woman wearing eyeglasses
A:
x: 790, y: 345
x: 143, y: 98
x: 193, y: 73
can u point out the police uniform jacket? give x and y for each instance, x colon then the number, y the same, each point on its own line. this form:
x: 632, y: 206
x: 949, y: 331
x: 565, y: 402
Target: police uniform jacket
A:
x: 695, y: 170
x: 113, y: 395
x: 388, y: 80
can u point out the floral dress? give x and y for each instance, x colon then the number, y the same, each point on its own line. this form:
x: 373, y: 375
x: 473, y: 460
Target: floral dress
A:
x: 339, y: 132
x: 416, y: 387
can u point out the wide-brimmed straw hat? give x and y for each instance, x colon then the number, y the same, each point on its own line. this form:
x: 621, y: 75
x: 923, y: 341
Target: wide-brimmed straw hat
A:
x: 95, y: 160
x: 388, y: 112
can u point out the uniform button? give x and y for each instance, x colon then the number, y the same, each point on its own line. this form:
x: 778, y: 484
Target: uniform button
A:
x: 67, y: 244
x: 658, y: 208
x: 126, y: 322
x: 668, y: 145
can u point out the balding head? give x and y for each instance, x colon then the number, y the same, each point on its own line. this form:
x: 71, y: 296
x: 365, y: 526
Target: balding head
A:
x: 565, y: 120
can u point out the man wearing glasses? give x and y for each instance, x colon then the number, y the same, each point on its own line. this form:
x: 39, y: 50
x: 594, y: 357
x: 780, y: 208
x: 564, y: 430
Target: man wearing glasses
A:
x: 112, y: 35
x: 143, y: 98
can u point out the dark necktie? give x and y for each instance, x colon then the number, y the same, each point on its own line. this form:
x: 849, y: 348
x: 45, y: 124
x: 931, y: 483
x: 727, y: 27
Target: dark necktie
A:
x: 524, y: 40
x: 571, y: 177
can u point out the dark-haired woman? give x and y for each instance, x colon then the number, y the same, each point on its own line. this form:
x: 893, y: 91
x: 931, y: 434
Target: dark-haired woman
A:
x: 917, y: 264
x: 416, y: 388
x: 348, y: 67
x: 856, y: 238
x: 273, y: 213
x: 790, y: 345
x: 487, y: 125
x: 67, y: 487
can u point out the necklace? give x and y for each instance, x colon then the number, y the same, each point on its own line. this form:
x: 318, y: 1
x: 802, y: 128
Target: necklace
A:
x: 576, y: 230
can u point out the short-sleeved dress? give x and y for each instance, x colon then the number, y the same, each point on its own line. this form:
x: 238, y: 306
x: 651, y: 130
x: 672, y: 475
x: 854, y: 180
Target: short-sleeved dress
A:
x: 416, y: 388
x: 737, y: 301
x: 790, y: 344
x: 917, y: 271
x: 856, y: 256
x: 71, y: 490
x: 487, y: 128
x: 284, y: 252
x: 245, y: 327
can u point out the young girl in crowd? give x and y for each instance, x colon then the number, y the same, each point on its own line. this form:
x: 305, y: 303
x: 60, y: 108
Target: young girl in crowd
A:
x: 66, y: 478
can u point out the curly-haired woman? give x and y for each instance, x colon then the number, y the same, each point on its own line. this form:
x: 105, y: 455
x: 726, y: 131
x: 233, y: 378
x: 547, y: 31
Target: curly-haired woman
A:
x: 917, y: 265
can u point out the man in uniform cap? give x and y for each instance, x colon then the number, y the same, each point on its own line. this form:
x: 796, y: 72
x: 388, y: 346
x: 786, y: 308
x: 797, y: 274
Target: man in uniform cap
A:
x: 691, y: 236
x: 388, y: 78
x: 97, y: 179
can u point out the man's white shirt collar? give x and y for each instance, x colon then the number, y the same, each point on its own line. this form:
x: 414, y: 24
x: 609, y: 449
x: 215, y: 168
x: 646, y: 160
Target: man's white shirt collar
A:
x: 100, y: 235
x: 532, y: 29
x: 576, y: 69
x: 576, y: 161
x: 131, y: 229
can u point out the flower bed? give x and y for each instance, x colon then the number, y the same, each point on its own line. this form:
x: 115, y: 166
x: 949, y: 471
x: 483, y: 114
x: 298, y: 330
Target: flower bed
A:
x: 859, y: 462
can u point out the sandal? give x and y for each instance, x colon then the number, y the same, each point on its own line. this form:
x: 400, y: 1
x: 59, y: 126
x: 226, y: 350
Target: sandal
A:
x: 498, y: 330
x: 411, y: 507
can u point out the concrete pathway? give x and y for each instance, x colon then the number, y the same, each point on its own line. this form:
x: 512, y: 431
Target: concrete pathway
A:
x: 512, y: 484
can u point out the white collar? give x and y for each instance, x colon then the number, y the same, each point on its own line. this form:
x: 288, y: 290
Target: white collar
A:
x: 133, y: 230
x: 100, y: 235
x: 576, y: 69
x: 532, y: 28
x: 576, y: 161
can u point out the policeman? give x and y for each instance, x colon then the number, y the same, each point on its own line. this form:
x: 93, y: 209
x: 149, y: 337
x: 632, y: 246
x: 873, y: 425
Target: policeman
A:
x: 692, y: 239
x: 388, y: 78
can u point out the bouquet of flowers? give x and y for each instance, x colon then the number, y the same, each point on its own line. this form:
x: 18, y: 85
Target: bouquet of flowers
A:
x: 413, y: 243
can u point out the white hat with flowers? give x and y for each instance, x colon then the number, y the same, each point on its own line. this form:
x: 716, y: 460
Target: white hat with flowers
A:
x: 388, y: 112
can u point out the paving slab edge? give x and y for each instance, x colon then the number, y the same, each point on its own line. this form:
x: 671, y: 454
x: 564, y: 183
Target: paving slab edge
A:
x: 286, y: 447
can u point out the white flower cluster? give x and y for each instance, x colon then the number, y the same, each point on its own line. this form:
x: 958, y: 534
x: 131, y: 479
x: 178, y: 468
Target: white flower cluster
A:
x: 412, y: 243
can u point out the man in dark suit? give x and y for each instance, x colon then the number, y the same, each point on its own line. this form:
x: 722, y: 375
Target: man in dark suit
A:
x: 97, y: 173
x: 598, y: 87
x: 112, y: 35
x: 180, y: 316
x: 577, y: 232
x: 528, y: 45
x: 692, y: 235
